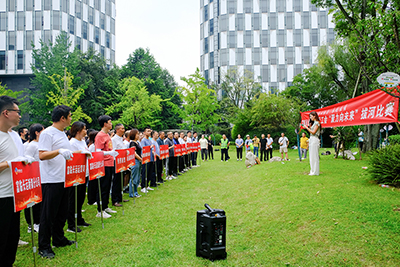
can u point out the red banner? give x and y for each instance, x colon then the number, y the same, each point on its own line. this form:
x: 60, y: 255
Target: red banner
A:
x: 75, y: 170
x: 371, y: 108
x: 27, y: 186
x: 198, y: 148
x: 178, y: 150
x: 164, y: 151
x: 96, y: 165
x: 183, y: 149
x: 130, y: 157
x: 146, y: 154
x: 120, y: 161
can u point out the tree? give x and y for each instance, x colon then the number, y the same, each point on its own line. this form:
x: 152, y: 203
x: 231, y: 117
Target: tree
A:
x: 199, y: 102
x: 138, y: 107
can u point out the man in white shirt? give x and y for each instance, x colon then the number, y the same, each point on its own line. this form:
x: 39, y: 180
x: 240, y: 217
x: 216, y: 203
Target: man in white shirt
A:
x: 269, y: 146
x: 118, y: 143
x: 284, y: 143
x: 54, y: 150
x: 10, y: 220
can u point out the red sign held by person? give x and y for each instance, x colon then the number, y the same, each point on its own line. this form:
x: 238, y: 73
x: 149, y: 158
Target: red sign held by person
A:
x: 96, y: 165
x: 177, y: 150
x: 146, y: 154
x: 27, y: 186
x: 130, y: 157
x: 198, y: 148
x: 183, y: 148
x: 75, y: 170
x: 164, y: 151
x: 120, y: 161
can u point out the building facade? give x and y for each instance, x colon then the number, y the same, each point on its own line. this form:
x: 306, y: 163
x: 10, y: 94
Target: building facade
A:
x: 88, y: 23
x: 274, y: 39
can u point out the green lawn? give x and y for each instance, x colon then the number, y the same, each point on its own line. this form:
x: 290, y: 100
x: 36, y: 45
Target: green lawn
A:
x: 276, y: 216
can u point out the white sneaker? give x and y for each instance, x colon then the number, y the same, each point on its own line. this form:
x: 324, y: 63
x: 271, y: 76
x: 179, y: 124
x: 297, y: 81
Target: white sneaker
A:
x: 237, y: 159
x: 240, y: 159
x: 173, y: 177
x: 149, y: 188
x: 143, y: 190
x: 36, y: 228
x: 105, y: 215
x: 22, y: 243
x: 108, y: 210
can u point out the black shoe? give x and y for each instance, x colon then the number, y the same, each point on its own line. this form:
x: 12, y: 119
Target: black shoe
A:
x: 72, y: 229
x: 47, y: 253
x: 67, y: 243
x: 84, y: 224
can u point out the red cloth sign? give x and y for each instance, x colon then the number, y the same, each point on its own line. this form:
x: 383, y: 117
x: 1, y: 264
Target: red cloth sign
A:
x: 178, y: 150
x: 96, y: 165
x: 146, y: 154
x: 75, y: 170
x: 120, y: 161
x: 198, y: 148
x: 27, y: 186
x: 183, y: 149
x: 130, y: 157
x: 371, y: 108
x: 164, y: 151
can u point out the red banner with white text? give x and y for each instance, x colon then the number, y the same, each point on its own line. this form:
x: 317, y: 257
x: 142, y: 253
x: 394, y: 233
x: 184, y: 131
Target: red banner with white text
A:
x: 178, y: 150
x: 146, y: 154
x: 371, y: 108
x: 26, y: 183
x: 130, y: 157
x: 75, y: 170
x: 164, y: 151
x: 96, y: 166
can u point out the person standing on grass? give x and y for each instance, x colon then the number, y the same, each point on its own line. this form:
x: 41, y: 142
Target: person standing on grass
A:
x: 137, y: 168
x: 263, y: 147
x: 210, y: 148
x: 103, y: 142
x: 163, y: 162
x: 360, y: 139
x: 54, y: 150
x: 203, y: 147
x: 93, y: 187
x: 150, y: 165
x: 314, y: 142
x: 195, y: 139
x: 189, y: 155
x: 303, y: 146
x: 284, y: 143
x: 172, y: 159
x: 247, y: 143
x: 224, y: 148
x: 269, y: 146
x: 157, y: 159
x: 256, y: 144
x: 239, y: 147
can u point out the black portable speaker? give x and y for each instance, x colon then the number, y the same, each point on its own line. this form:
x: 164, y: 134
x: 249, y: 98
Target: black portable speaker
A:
x: 211, y: 233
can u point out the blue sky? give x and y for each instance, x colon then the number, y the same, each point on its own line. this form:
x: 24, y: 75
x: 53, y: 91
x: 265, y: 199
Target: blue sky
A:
x: 169, y: 28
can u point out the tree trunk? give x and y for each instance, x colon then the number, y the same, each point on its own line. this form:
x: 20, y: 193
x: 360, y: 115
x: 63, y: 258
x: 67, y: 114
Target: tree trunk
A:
x: 371, y: 137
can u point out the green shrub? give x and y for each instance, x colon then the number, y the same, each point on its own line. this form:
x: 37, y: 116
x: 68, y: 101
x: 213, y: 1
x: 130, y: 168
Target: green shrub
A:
x: 217, y: 138
x: 394, y: 139
x: 385, y: 165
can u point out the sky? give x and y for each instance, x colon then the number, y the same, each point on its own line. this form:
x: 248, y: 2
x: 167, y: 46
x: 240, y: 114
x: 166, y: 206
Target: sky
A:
x: 169, y: 28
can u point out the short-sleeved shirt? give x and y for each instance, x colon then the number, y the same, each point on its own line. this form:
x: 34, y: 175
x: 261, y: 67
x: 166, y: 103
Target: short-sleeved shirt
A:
x: 238, y: 142
x: 147, y: 142
x: 361, y: 137
x: 104, y: 143
x: 304, y: 142
x: 269, y: 142
x: 138, y: 147
x: 80, y: 145
x: 156, y: 146
x: 263, y: 142
x: 256, y: 142
x: 18, y: 142
x: 248, y: 142
x: 170, y: 142
x: 8, y: 152
x: 284, y: 141
x: 32, y: 150
x: 203, y: 143
x: 53, y: 170
x: 118, y: 142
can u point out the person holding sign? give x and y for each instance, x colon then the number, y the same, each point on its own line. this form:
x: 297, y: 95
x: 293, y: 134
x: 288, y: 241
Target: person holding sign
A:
x: 10, y: 220
x: 172, y: 159
x: 118, y: 143
x: 54, y: 150
x: 314, y: 142
x: 150, y: 166
x: 157, y: 158
x: 78, y: 133
x: 137, y: 168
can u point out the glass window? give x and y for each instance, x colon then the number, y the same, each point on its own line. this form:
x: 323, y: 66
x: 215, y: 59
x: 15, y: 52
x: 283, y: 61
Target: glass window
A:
x: 205, y: 9
x: 240, y: 22
x: 297, y: 37
x: 112, y: 57
x: 71, y: 24
x: 85, y: 30
x: 313, y: 7
x: 2, y: 21
x: 306, y: 55
x: 102, y: 21
x: 11, y: 40
x: 272, y: 21
x: 297, y: 5
x: 314, y: 37
x: 28, y: 5
x: 322, y: 19
x: 97, y: 4
x: 102, y: 51
x: 331, y: 35
x: 290, y: 55
x: 206, y: 76
x: 273, y: 55
x: 306, y: 20
x: 38, y: 20
x: 108, y: 39
x: 289, y: 20
x: 56, y: 20
x: 78, y: 42
x: 96, y: 35
x: 224, y: 57
x: 28, y: 40
x: 256, y: 22
x: 281, y: 5
x: 11, y: 5
x: 264, y: 38
x: 247, y: 6
x: 297, y: 70
x: 265, y: 73
x: 91, y: 45
x: 2, y: 60
x: 78, y: 9
x: 20, y: 60
x: 112, y: 26
x: 211, y: 26
x: 205, y: 45
x: 264, y: 6
x: 247, y: 39
x: 232, y: 6
x: 47, y: 37
x: 108, y: 8
x: 256, y: 56
x: 64, y: 5
x: 47, y: 4
x: 282, y: 73
x: 240, y: 56
x: 20, y: 20
x: 223, y: 23
x: 219, y: 41
x: 91, y: 15
x: 281, y: 38
x: 211, y: 60
x: 232, y: 39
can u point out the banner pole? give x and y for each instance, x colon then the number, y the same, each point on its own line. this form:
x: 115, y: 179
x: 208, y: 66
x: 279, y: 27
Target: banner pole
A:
x: 198, y: 157
x: 76, y: 214
x: 155, y: 170
x: 101, y: 205
x: 145, y: 180
x: 178, y: 159
x: 298, y: 145
x: 122, y: 193
x: 30, y: 205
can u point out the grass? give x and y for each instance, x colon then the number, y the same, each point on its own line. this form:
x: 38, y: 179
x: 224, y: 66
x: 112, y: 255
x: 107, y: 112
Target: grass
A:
x: 276, y: 216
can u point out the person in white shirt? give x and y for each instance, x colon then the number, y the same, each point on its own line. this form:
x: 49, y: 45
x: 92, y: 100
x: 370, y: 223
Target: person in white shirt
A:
x: 32, y: 150
x: 54, y: 150
x: 284, y: 143
x: 182, y: 160
x: 203, y: 147
x: 93, y: 188
x: 10, y: 220
x: 269, y: 146
x: 118, y: 143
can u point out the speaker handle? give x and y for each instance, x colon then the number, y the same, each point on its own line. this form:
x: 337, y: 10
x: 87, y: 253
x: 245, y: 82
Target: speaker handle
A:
x: 208, y: 207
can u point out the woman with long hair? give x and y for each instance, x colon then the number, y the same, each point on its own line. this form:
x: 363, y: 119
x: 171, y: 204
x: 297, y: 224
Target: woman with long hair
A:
x: 137, y: 168
x: 314, y: 142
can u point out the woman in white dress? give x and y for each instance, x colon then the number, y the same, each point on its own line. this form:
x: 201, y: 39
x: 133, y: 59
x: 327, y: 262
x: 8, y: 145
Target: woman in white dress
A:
x: 314, y: 143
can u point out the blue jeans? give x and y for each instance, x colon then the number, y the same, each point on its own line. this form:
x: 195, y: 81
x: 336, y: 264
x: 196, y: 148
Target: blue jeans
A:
x: 135, y: 178
x: 256, y: 151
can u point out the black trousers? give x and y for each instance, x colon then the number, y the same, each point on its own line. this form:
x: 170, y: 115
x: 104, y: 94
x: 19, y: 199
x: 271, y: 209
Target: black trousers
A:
x: 92, y: 191
x: 172, y: 166
x: 239, y: 152
x: 9, y: 231
x: 35, y: 212
x: 263, y: 153
x: 269, y: 153
x: 181, y: 163
x: 224, y: 153
x: 210, y: 152
x: 81, y: 194
x: 204, y: 154
x: 54, y: 214
x: 194, y: 158
x: 105, y: 185
x: 159, y: 168
x: 116, y: 189
x: 150, y: 175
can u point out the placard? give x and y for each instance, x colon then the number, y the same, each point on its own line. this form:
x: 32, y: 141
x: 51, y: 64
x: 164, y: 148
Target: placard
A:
x: 146, y: 154
x: 198, y: 147
x: 189, y: 147
x: 130, y: 157
x: 183, y: 149
x: 120, y: 161
x: 177, y: 150
x: 96, y: 165
x: 75, y: 170
x: 164, y: 151
x: 27, y: 186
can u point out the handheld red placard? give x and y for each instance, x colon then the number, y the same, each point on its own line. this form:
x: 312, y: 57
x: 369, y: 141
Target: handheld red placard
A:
x: 164, y: 153
x: 146, y: 154
x: 96, y: 165
x: 75, y: 170
x: 130, y: 157
x: 120, y: 161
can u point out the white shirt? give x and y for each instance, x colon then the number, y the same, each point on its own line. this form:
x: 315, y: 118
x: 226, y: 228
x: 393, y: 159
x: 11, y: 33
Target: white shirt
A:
x: 126, y: 143
x: 181, y: 141
x: 118, y: 142
x: 80, y: 145
x: 92, y: 148
x: 284, y: 141
x: 189, y: 140
x: 8, y: 152
x: 203, y: 143
x: 269, y: 142
x: 32, y: 150
x: 18, y: 142
x: 53, y: 170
